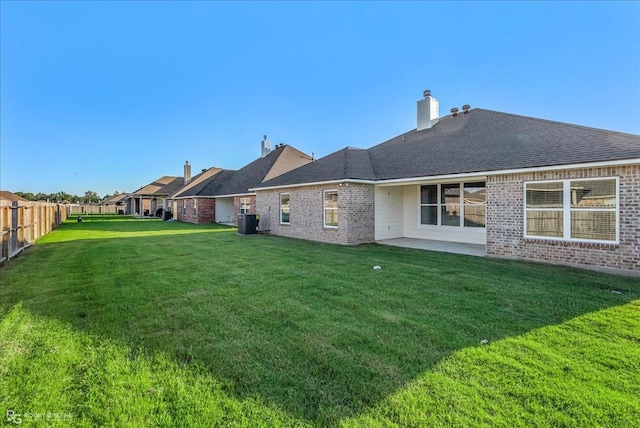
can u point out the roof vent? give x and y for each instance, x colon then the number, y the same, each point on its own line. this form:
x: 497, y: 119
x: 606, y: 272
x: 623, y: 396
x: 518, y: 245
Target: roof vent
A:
x: 466, y: 108
x: 454, y: 111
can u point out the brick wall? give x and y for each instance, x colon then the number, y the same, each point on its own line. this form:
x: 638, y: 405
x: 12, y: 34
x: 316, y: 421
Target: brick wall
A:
x: 505, y: 222
x: 236, y: 207
x: 205, y: 210
x: 355, y: 218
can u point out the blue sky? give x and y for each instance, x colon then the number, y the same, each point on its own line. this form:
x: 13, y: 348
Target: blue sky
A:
x: 111, y: 95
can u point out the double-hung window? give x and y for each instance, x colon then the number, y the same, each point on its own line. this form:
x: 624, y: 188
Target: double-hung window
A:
x: 330, y: 208
x: 285, y: 202
x: 245, y: 205
x: 572, y: 210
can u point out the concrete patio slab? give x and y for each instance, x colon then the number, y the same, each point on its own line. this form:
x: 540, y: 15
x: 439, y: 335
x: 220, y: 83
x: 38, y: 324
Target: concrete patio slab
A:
x: 477, y: 250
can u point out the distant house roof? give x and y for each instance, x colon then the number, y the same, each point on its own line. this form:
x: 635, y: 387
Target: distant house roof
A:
x: 197, y: 183
x: 232, y: 182
x: 115, y: 199
x: 478, y: 141
x: 278, y: 161
x: 9, y: 196
x: 163, y: 186
x: 208, y: 187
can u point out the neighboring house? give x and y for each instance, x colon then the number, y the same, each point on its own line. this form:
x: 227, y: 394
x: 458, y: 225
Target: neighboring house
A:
x: 9, y: 196
x: 195, y: 203
x: 119, y: 201
x: 148, y: 200
x: 224, y: 195
x: 526, y: 188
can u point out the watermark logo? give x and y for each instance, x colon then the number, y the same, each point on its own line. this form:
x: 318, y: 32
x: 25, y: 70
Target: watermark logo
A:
x: 14, y: 417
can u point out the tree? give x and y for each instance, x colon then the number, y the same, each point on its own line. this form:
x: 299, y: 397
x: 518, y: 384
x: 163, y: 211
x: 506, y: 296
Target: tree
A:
x: 27, y: 195
x: 91, y: 197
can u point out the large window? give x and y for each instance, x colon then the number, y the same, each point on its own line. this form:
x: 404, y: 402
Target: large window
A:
x: 245, y: 205
x: 330, y: 208
x: 453, y: 204
x: 285, y: 201
x: 580, y: 210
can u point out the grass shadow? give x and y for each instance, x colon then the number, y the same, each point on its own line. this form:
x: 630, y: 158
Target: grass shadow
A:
x: 309, y: 327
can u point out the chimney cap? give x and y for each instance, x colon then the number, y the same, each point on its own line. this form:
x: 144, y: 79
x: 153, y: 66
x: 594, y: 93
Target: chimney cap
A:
x: 454, y: 111
x: 466, y: 108
x: 426, y: 93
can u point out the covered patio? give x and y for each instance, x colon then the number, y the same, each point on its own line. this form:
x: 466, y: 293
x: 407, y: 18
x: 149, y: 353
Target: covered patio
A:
x: 477, y: 250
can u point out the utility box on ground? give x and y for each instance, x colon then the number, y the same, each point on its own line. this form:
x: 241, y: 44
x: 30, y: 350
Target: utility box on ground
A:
x: 247, y: 224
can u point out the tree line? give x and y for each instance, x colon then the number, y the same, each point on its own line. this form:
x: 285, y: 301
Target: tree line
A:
x: 89, y: 197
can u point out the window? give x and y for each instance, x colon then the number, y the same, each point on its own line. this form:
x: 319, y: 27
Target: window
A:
x: 450, y: 204
x: 245, y: 205
x: 580, y: 210
x: 429, y: 204
x: 474, y: 204
x: 545, y: 214
x: 184, y: 206
x: 330, y: 208
x: 453, y: 204
x: 195, y: 206
x: 284, y: 207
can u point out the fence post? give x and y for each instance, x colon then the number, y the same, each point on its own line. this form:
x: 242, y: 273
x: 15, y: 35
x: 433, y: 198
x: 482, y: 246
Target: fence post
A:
x: 13, y: 231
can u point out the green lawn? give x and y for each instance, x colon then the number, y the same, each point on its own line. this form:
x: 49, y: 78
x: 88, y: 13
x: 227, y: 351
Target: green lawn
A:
x: 122, y: 322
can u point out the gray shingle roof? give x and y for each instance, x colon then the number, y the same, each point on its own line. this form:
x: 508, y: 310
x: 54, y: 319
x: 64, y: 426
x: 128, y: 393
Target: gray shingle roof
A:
x: 210, y: 186
x: 250, y: 175
x: 232, y: 182
x: 479, y: 141
x: 346, y: 163
x: 163, y: 186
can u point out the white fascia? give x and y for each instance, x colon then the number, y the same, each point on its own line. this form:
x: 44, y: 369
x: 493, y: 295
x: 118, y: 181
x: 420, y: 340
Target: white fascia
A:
x: 236, y: 194
x: 483, y: 174
x: 466, y: 175
x: 193, y: 197
x: 316, y: 183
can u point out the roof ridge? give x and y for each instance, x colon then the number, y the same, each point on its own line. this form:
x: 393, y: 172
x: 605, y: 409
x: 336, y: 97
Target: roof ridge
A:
x: 556, y: 122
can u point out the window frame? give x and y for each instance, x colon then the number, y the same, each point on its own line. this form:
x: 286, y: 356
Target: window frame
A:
x: 195, y: 206
x: 325, y: 208
x: 567, y: 210
x: 288, y: 208
x: 440, y: 204
x: 245, y: 205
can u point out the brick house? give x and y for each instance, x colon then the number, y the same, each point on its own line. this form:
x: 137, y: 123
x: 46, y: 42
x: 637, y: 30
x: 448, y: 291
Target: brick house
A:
x: 220, y: 195
x: 147, y: 200
x: 524, y: 188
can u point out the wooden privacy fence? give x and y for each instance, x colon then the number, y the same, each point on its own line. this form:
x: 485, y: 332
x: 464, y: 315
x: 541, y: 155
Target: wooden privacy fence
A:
x: 94, y: 209
x: 24, y: 222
